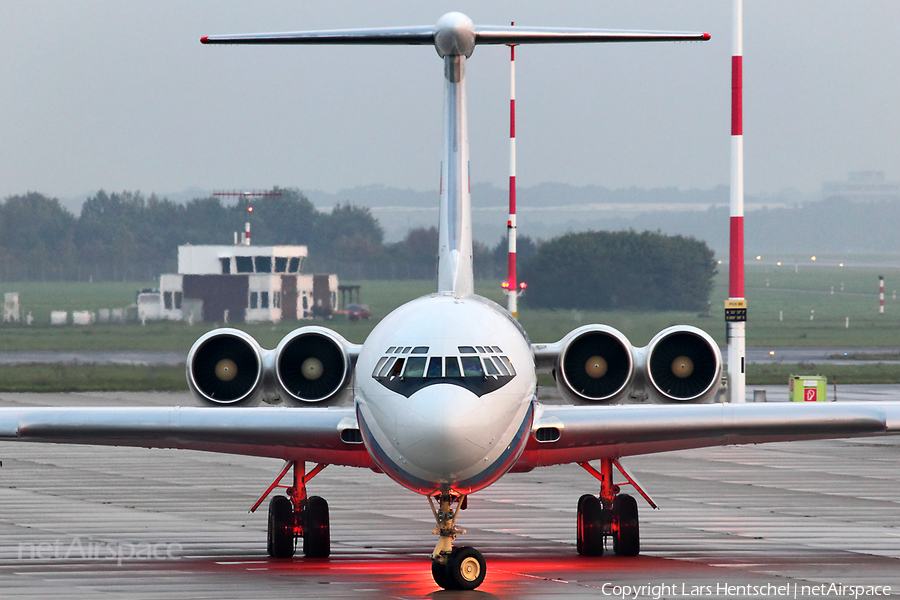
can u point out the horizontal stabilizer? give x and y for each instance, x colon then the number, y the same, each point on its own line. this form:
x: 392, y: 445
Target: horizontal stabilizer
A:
x: 565, y: 35
x: 378, y: 36
x: 426, y: 35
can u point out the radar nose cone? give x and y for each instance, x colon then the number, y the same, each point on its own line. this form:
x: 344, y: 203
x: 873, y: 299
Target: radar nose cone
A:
x: 454, y: 35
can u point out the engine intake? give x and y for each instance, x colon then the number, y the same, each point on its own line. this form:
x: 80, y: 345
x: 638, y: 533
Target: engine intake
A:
x: 225, y: 367
x: 595, y: 364
x: 312, y: 365
x: 684, y: 365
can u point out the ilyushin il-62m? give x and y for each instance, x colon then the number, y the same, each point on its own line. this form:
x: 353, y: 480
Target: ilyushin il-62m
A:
x: 441, y: 396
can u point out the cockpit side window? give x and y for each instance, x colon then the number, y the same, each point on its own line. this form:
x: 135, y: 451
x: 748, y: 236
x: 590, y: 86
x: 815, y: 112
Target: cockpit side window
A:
x: 380, y: 364
x: 471, y: 366
x: 466, y: 350
x: 451, y: 367
x: 434, y: 367
x: 489, y: 366
x: 386, y: 367
x: 415, y: 367
x: 501, y: 366
x: 397, y: 368
x: 420, y: 350
x: 509, y: 366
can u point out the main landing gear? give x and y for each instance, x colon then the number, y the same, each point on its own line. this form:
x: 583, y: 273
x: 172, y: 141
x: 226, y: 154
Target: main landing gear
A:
x: 611, y: 514
x: 296, y: 516
x: 460, y: 568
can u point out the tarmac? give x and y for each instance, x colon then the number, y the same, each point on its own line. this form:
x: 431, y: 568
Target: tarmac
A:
x: 801, y: 520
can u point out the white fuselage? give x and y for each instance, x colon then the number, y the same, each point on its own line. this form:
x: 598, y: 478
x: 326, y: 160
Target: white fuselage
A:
x: 445, y: 391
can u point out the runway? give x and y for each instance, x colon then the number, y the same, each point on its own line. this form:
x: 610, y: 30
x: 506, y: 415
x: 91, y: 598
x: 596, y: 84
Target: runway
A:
x: 86, y: 522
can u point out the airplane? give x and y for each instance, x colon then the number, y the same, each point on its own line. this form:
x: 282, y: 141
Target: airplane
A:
x: 441, y: 396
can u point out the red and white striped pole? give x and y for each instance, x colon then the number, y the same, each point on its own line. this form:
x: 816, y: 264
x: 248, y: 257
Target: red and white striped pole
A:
x: 881, y: 294
x: 247, y: 233
x: 736, y: 300
x: 512, y: 288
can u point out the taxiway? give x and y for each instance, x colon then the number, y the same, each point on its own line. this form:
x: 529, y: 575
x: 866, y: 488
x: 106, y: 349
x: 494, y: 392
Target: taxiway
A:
x: 90, y: 522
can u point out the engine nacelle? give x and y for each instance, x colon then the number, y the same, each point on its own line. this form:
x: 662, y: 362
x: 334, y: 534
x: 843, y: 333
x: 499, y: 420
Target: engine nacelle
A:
x: 312, y: 366
x: 225, y: 368
x: 684, y: 364
x: 596, y: 364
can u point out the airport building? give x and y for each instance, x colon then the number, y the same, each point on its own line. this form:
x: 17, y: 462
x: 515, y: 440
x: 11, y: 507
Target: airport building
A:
x: 240, y: 283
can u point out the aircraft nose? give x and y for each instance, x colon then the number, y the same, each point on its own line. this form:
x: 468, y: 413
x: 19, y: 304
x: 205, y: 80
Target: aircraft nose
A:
x: 445, y: 431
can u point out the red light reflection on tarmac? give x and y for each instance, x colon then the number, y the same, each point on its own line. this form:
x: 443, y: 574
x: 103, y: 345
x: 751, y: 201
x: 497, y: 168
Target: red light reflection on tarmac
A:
x: 509, y: 574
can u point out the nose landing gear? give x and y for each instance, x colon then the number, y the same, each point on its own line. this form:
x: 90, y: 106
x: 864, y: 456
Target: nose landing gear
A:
x: 611, y: 514
x: 297, y: 516
x: 461, y: 568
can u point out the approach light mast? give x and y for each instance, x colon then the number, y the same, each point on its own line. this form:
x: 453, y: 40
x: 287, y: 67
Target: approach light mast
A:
x: 249, y: 196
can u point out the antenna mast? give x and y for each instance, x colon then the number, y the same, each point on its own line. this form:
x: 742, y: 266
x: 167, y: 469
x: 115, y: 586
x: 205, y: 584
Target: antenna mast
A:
x: 736, y: 305
x: 510, y: 286
x: 249, y: 195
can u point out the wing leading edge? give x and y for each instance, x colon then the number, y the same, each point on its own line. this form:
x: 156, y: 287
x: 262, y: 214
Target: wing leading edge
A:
x: 310, y: 434
x: 583, y: 433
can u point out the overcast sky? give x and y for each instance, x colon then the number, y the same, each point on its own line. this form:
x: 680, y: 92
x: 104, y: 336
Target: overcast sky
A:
x: 122, y: 95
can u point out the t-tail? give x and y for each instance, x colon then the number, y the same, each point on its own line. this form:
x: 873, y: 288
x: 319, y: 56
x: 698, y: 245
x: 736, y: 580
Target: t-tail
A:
x: 454, y: 37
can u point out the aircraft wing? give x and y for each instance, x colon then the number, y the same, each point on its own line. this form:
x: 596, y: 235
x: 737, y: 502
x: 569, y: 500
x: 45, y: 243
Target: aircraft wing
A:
x: 310, y: 434
x: 577, y: 434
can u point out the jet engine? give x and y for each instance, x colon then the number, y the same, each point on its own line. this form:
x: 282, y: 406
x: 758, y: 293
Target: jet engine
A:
x: 312, y: 365
x: 683, y: 365
x: 596, y: 364
x: 225, y: 367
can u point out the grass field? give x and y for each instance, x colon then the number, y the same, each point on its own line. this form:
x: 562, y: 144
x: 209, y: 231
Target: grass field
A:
x: 91, y: 378
x: 780, y: 303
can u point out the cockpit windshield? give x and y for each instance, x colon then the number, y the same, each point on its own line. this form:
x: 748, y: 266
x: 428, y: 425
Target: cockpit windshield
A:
x: 479, y: 368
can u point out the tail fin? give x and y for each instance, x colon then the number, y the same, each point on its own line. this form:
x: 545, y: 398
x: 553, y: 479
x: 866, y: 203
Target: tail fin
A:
x: 454, y: 37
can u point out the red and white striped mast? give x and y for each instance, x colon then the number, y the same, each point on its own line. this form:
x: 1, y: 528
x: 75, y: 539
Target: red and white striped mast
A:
x: 511, y: 286
x: 736, y: 301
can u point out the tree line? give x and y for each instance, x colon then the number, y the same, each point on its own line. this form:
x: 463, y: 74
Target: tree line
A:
x: 127, y: 236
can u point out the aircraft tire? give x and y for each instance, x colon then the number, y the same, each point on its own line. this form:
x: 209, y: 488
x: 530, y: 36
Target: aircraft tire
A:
x: 280, y: 534
x: 589, y: 534
x: 316, y: 530
x: 441, y: 576
x: 466, y: 568
x: 626, y: 528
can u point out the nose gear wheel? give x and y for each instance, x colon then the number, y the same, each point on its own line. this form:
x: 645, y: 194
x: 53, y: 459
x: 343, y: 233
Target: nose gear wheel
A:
x: 461, y: 568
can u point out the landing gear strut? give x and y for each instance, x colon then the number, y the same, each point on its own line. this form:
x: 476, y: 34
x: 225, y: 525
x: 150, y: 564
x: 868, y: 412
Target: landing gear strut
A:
x: 460, y: 568
x: 611, y: 514
x: 296, y: 516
